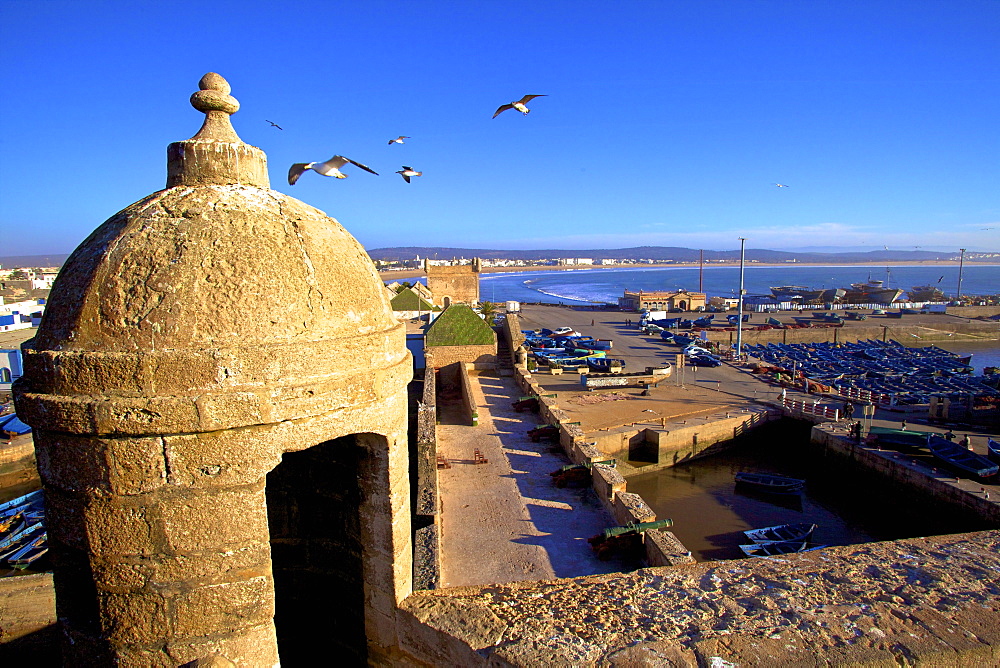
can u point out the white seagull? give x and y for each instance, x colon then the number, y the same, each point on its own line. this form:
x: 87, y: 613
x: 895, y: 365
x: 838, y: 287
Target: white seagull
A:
x: 399, y: 140
x: 407, y: 172
x: 781, y: 185
x: 519, y: 105
x: 329, y: 168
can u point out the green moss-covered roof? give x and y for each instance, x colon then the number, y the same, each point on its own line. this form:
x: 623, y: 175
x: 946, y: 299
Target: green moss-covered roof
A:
x: 408, y: 300
x: 459, y: 325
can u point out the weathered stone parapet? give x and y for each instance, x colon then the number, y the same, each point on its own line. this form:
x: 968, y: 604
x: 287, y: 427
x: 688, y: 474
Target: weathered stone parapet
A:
x: 664, y: 549
x: 923, y: 601
x: 629, y: 508
x: 608, y: 483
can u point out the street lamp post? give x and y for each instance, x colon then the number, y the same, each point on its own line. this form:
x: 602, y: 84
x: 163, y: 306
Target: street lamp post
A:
x: 961, y: 265
x: 739, y: 308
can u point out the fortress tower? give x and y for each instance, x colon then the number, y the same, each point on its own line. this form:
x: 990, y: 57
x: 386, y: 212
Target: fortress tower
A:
x: 455, y: 284
x: 218, y: 393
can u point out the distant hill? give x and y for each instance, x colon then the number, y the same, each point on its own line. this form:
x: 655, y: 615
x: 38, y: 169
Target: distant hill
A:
x: 669, y: 253
x: 55, y: 260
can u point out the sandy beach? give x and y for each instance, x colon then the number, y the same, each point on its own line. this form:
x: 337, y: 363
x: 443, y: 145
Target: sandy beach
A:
x: 403, y: 275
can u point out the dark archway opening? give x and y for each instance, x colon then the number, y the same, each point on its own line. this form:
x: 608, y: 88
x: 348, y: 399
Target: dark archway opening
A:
x: 313, y: 502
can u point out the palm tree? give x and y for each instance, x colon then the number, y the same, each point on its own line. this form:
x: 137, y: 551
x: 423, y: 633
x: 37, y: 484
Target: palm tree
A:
x: 488, y: 310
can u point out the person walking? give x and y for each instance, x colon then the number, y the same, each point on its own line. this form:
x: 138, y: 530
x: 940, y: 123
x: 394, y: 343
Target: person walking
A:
x: 848, y: 410
x: 966, y: 442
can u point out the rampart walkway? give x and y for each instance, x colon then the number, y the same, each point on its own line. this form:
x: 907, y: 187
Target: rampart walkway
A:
x: 505, y: 520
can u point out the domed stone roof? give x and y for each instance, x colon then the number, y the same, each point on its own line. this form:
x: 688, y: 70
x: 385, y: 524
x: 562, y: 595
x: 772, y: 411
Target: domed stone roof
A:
x: 215, y: 286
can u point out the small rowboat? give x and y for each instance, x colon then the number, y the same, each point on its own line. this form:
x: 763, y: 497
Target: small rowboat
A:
x: 993, y: 450
x: 771, y: 483
x: 960, y: 458
x: 782, y: 532
x: 774, y: 548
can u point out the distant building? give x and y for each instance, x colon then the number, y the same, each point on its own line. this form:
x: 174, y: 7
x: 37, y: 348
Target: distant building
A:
x: 408, y: 303
x: 661, y: 301
x: 10, y: 366
x: 457, y: 284
x: 569, y: 261
x: 20, y: 315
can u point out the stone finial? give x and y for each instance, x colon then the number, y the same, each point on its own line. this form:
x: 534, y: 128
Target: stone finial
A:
x: 216, y: 155
x: 217, y: 104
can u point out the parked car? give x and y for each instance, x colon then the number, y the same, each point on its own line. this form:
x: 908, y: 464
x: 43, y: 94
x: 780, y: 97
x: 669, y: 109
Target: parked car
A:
x: 705, y: 360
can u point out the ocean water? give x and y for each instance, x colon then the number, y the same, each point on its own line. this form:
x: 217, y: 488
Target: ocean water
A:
x: 587, y: 286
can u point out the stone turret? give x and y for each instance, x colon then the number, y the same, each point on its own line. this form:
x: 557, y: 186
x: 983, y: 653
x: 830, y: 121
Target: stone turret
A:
x: 218, y: 392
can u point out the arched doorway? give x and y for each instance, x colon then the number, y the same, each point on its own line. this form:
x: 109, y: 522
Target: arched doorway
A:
x: 320, y: 514
x: 682, y: 305
x: 446, y: 302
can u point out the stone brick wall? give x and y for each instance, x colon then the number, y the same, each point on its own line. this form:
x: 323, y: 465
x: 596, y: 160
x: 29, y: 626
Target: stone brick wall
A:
x: 442, y: 356
x: 468, y: 396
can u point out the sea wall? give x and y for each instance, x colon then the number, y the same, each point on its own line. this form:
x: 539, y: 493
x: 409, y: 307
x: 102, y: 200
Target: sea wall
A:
x: 660, y: 447
x: 906, y: 472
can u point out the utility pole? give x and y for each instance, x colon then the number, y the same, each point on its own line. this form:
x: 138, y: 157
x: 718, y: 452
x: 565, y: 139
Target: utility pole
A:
x: 961, y: 265
x: 739, y: 308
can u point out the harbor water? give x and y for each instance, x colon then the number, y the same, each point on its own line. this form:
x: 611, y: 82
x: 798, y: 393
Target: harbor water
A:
x: 849, y: 505
x: 606, y: 285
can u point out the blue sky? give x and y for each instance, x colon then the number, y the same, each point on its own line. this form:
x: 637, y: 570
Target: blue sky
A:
x: 665, y: 123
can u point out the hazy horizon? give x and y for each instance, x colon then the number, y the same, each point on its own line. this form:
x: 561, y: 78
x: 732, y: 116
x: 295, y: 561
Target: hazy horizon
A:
x: 662, y: 123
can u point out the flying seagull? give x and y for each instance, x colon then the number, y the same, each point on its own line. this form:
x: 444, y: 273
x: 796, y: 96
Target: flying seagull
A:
x: 519, y: 105
x: 407, y: 172
x: 398, y: 140
x: 781, y: 185
x: 329, y: 168
x: 274, y: 125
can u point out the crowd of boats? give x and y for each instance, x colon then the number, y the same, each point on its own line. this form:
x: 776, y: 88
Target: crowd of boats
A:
x: 23, y: 540
x: 568, y: 349
x: 908, y: 375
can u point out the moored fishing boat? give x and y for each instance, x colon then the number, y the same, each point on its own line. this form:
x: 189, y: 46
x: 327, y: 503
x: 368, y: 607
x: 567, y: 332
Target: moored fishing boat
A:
x: 774, y: 548
x: 961, y: 458
x: 871, y: 292
x: 925, y: 293
x: 781, y: 532
x: 771, y: 483
x: 993, y: 450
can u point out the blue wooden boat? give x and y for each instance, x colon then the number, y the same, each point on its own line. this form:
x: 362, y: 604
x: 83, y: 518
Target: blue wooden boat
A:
x: 781, y: 532
x: 604, y: 364
x: 774, y: 548
x: 596, y: 344
x: 14, y: 505
x: 960, y: 458
x: 13, y: 544
x: 776, y: 484
x: 993, y: 450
